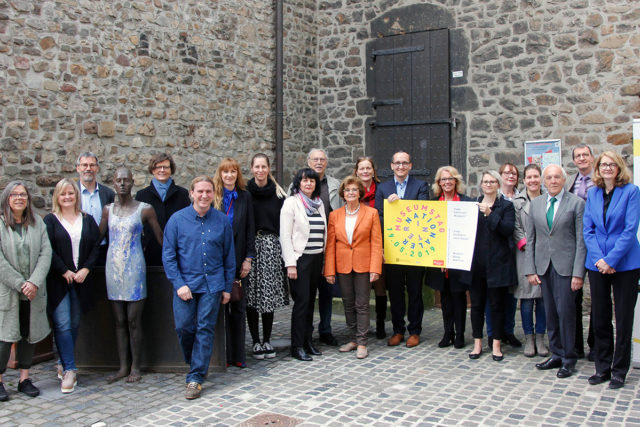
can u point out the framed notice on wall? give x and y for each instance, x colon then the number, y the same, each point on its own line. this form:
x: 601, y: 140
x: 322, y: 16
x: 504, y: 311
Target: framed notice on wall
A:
x: 543, y: 152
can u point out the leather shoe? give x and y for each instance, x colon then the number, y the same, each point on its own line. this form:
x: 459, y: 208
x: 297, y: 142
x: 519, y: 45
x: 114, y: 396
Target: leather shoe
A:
x: 616, y: 383
x: 550, y: 363
x: 413, y: 341
x: 497, y: 358
x: 395, y: 340
x: 512, y: 340
x: 328, y: 339
x: 300, y: 354
x: 459, y: 341
x: 599, y: 378
x: 447, y: 340
x: 565, y: 371
x: 309, y: 348
x: 474, y: 356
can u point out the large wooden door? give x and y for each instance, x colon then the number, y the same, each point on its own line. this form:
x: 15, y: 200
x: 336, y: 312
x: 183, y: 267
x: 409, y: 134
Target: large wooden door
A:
x: 408, y: 79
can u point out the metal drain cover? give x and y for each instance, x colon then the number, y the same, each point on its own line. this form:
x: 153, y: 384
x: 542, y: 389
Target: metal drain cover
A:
x: 270, y: 420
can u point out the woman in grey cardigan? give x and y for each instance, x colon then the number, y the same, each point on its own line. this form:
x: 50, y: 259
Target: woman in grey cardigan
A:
x: 25, y: 257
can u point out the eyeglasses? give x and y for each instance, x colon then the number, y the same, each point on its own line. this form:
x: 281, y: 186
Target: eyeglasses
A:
x: 582, y: 155
x: 318, y: 159
x: 447, y: 179
x: 88, y: 165
x: 403, y: 164
x: 19, y: 195
x: 351, y: 190
x: 162, y: 168
x: 489, y: 182
x: 608, y: 166
x: 510, y: 173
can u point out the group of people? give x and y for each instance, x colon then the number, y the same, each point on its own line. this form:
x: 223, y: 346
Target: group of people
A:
x: 323, y: 237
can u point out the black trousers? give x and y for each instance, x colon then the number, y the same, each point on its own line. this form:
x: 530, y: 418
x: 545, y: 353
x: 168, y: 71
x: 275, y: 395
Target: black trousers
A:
x: 454, y: 310
x: 624, y: 285
x: 24, y: 350
x: 236, y: 329
x: 579, y: 325
x: 303, y: 292
x: 479, y: 293
x: 399, y: 278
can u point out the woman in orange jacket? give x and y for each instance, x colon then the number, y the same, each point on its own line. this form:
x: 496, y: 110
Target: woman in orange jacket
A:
x: 354, y: 254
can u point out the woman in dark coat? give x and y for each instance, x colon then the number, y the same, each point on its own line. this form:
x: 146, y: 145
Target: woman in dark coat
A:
x: 232, y: 198
x: 74, y: 241
x: 452, y: 284
x: 165, y: 197
x: 493, y: 268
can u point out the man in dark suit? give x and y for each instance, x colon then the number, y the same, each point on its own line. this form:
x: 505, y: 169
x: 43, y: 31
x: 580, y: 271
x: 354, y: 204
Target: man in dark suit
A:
x: 554, y: 258
x: 399, y: 277
x: 578, y: 184
x: 94, y: 196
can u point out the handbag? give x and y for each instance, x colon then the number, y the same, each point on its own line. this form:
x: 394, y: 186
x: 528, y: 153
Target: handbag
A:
x: 236, y: 291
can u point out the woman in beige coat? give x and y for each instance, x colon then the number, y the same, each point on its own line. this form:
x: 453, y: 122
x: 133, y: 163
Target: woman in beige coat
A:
x: 25, y: 258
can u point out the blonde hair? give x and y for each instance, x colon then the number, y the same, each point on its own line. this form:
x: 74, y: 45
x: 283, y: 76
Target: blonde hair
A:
x: 218, y: 187
x: 622, y: 178
x: 59, y: 189
x: 280, y: 193
x: 437, y: 190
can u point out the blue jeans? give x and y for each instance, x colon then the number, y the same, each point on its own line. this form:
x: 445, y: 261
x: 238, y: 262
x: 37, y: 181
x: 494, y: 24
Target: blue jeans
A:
x: 526, y: 312
x: 510, y: 306
x: 195, y: 324
x: 66, y: 320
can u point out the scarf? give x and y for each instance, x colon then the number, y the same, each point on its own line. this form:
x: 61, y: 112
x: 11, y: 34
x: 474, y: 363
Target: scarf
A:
x: 227, y: 203
x: 310, y: 206
x: 370, y: 195
x: 162, y: 188
x: 456, y: 197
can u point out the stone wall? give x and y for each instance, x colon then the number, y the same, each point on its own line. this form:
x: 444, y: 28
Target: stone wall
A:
x: 533, y: 69
x: 127, y: 79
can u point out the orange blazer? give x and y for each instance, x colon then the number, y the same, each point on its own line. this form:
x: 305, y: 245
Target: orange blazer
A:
x: 364, y: 254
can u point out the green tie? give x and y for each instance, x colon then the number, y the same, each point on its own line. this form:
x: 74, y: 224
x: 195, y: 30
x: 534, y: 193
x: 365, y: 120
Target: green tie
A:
x: 550, y: 212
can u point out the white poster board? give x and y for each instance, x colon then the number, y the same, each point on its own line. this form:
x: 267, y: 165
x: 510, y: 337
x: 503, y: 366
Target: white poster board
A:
x: 635, y: 343
x: 462, y: 220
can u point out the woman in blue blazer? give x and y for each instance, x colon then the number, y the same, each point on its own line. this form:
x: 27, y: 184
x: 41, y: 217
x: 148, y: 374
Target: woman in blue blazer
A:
x: 613, y: 260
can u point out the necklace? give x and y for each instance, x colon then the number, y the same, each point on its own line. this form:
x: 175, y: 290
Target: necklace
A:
x: 350, y: 212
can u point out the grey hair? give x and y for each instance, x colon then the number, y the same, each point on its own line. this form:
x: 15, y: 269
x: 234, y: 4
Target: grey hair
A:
x: 317, y: 149
x: 564, y: 172
x: 86, y: 154
x: 581, y: 146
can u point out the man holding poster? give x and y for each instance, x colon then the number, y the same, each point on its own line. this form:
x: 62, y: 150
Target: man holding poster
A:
x: 399, y: 277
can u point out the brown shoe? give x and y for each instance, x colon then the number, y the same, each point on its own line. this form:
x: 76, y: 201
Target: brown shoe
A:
x: 396, y: 339
x: 413, y: 341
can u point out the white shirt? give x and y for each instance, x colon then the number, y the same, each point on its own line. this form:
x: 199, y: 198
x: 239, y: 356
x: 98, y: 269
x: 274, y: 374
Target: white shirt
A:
x: 75, y: 233
x: 555, y: 206
x: 350, y: 225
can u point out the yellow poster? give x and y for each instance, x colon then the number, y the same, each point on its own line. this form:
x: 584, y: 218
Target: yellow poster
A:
x: 415, y: 233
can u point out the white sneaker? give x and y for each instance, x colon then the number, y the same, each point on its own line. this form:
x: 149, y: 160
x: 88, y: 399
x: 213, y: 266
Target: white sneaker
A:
x: 69, y: 382
x: 269, y: 352
x: 258, y: 352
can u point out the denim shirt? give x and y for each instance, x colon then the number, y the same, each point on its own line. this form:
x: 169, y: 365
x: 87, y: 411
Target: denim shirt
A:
x: 198, y: 251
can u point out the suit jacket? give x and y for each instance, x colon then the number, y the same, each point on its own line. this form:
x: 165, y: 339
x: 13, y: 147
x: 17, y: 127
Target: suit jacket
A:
x: 294, y: 229
x: 459, y: 280
x: 244, y: 229
x: 177, y: 198
x: 571, y: 180
x: 563, y: 244
x: 614, y: 240
x: 62, y: 260
x: 415, y: 190
x: 364, y: 253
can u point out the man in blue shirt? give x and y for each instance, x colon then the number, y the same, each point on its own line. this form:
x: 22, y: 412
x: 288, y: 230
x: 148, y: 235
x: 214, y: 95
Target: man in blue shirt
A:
x: 199, y: 260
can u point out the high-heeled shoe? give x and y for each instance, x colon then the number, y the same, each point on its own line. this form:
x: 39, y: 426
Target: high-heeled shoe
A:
x: 447, y: 340
x: 497, y: 358
x: 474, y: 356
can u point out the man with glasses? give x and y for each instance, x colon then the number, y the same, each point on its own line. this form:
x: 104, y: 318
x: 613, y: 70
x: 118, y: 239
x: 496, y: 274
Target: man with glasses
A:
x: 317, y: 160
x: 401, y: 277
x: 554, y: 259
x: 94, y: 196
x: 579, y: 184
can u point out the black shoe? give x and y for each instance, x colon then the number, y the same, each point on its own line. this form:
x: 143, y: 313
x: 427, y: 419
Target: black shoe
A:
x: 328, y: 339
x: 497, y: 358
x: 592, y: 356
x: 579, y: 354
x: 616, y: 383
x: 490, y: 342
x: 447, y: 340
x: 300, y: 354
x: 565, y: 371
x: 459, y: 341
x: 599, y: 378
x: 380, y: 332
x: 27, y: 387
x: 309, y: 348
x: 474, y: 356
x: 549, y: 364
x: 3, y: 393
x: 512, y: 340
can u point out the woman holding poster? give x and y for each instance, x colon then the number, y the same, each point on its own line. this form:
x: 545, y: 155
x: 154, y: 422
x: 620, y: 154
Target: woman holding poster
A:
x: 452, y: 284
x: 493, y: 268
x: 354, y: 254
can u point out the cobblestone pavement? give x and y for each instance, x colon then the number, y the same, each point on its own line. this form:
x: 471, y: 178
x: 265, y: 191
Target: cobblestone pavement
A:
x: 425, y: 385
